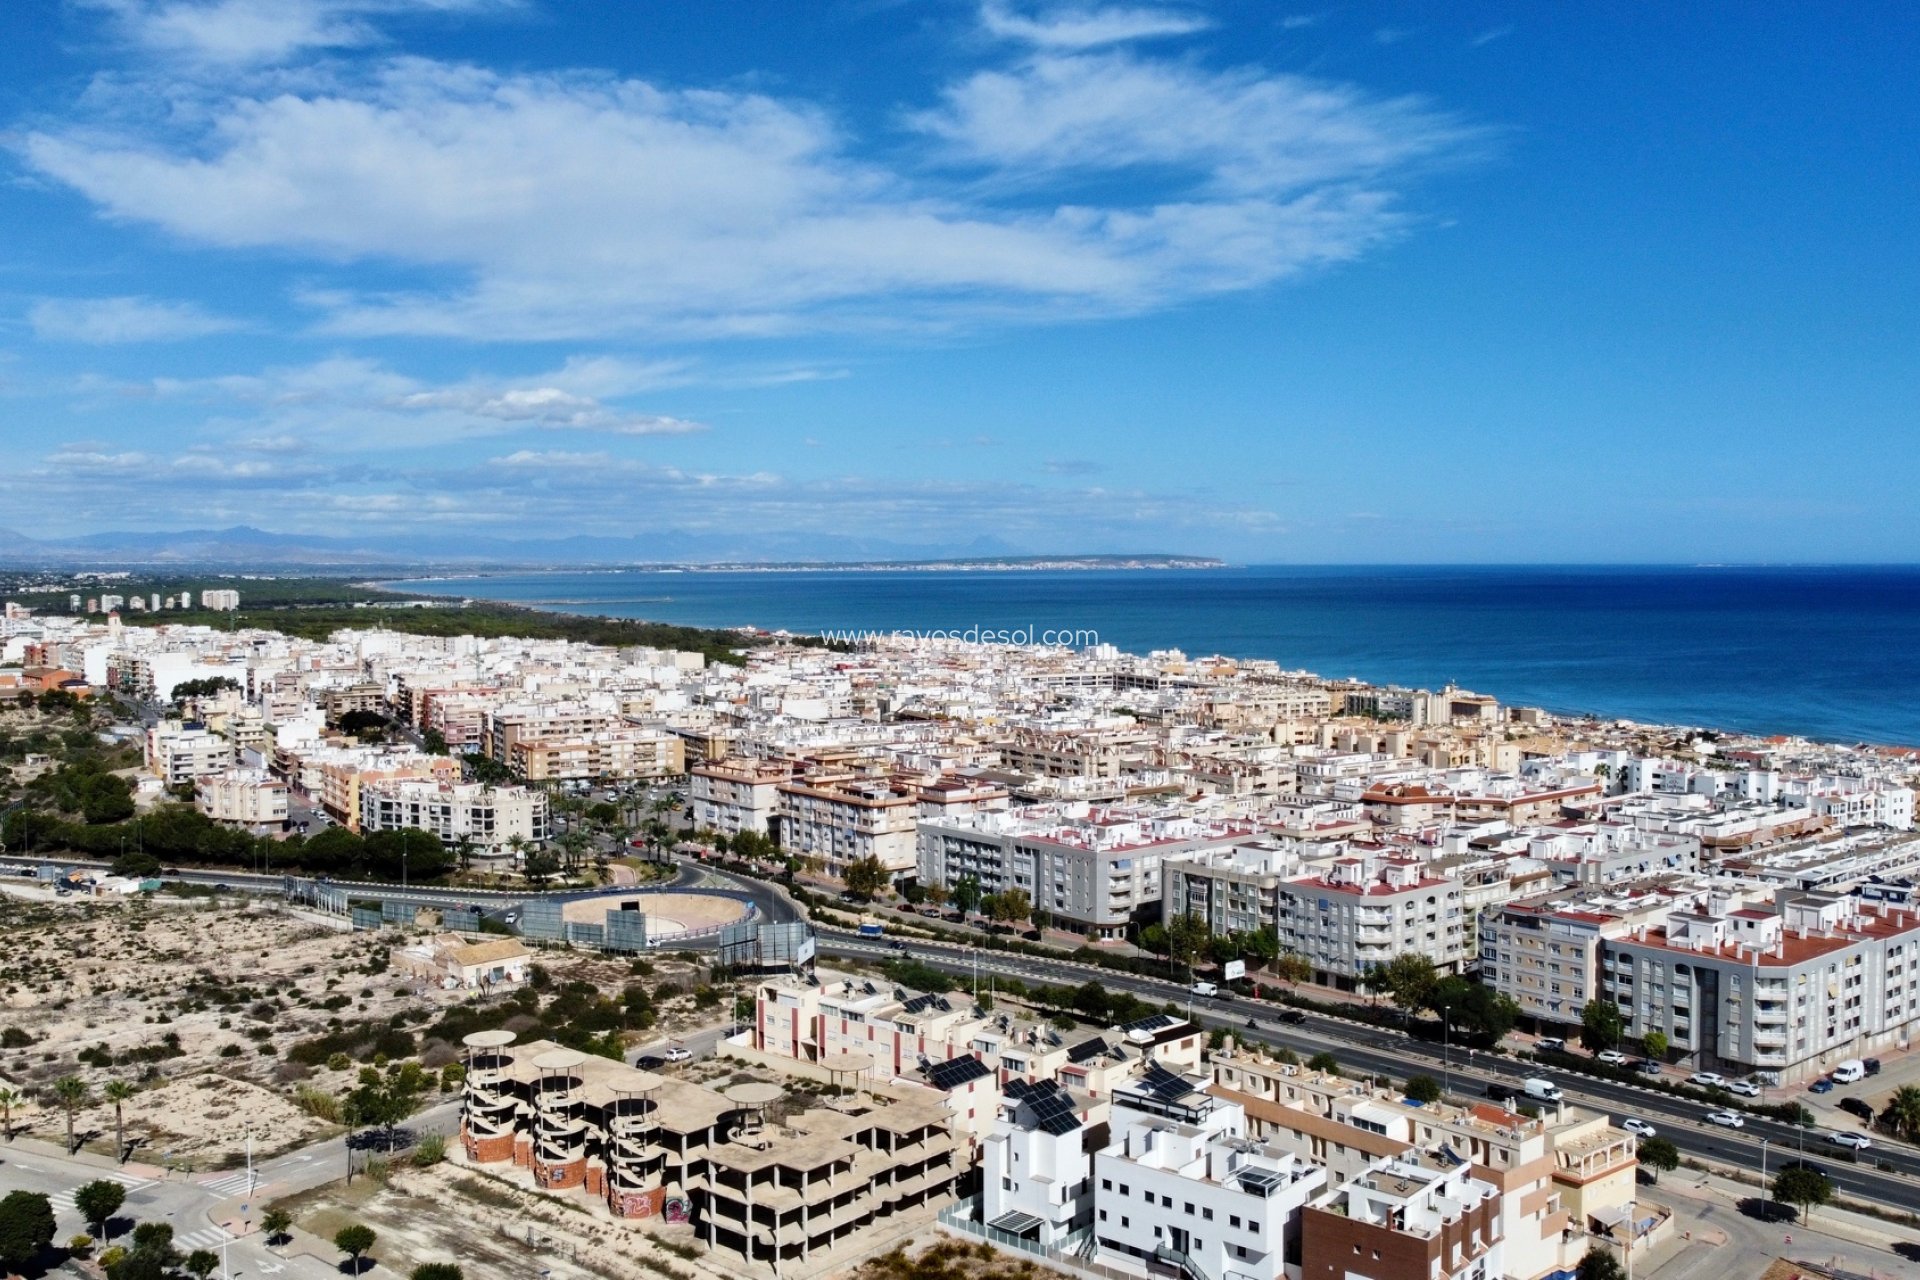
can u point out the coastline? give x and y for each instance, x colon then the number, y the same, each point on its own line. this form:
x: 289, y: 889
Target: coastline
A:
x: 1582, y: 706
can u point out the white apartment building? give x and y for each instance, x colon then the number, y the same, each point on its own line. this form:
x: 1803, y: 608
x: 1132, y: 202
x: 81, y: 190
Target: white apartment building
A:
x: 735, y: 795
x: 1181, y: 1184
x: 1856, y: 802
x: 488, y: 817
x: 241, y: 797
x: 1036, y: 1175
x: 1782, y: 993
x: 1098, y: 868
x: 178, y: 752
x: 220, y: 599
x: 839, y: 819
x: 1363, y: 911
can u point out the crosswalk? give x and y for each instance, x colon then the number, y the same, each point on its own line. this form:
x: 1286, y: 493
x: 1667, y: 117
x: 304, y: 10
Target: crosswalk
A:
x: 62, y: 1201
x: 210, y: 1238
x: 232, y: 1184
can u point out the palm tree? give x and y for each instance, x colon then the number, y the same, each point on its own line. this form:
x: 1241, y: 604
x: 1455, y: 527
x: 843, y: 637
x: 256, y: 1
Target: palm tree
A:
x: 1903, y: 1111
x: 8, y: 1098
x: 117, y: 1092
x: 70, y: 1093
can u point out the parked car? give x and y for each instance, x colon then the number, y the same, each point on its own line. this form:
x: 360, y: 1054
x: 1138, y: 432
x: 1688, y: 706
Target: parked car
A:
x: 1293, y: 1016
x: 1745, y: 1088
x: 1612, y: 1057
x: 1849, y: 1072
x: 1647, y: 1067
x: 1708, y: 1080
x: 677, y: 1053
x: 1872, y: 1065
x: 1858, y: 1141
x: 1822, y: 1085
x: 650, y: 1062
x: 1638, y: 1128
x: 1858, y: 1107
x: 1726, y: 1119
x: 1550, y: 1044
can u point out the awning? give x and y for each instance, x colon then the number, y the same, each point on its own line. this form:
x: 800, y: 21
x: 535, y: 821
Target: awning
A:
x: 1015, y: 1222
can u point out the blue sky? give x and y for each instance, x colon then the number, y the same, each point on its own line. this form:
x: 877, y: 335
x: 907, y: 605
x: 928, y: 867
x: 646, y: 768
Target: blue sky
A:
x: 1353, y: 282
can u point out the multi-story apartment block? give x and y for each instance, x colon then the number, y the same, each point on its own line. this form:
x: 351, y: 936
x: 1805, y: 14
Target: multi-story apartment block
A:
x: 1233, y: 890
x: 1097, y: 868
x: 1545, y: 957
x: 223, y: 600
x: 1076, y: 753
x: 489, y: 818
x: 342, y: 775
x: 1181, y: 1184
x: 1036, y: 1175
x: 241, y: 797
x: 538, y: 722
x: 735, y: 794
x: 1417, y: 1215
x: 1363, y: 911
x: 772, y: 1190
x: 178, y: 752
x: 841, y: 818
x: 1779, y: 992
x: 631, y: 752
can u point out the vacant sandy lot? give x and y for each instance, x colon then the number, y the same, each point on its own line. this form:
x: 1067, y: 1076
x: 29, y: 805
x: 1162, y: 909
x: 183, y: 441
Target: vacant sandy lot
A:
x: 667, y: 913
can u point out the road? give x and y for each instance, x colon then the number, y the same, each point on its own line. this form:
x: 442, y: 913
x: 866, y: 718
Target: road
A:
x: 1362, y: 1048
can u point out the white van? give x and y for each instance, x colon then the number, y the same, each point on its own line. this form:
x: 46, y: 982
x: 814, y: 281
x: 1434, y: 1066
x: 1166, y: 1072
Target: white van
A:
x: 1540, y: 1090
x: 1205, y: 989
x: 1852, y: 1071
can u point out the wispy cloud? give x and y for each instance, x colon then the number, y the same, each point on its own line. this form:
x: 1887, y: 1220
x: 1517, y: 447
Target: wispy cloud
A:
x: 1087, y: 27
x: 712, y: 213
x: 123, y: 320
x: 1489, y: 36
x: 228, y: 33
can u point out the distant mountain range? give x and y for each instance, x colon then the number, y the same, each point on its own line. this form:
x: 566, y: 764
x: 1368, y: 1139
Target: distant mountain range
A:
x: 244, y: 546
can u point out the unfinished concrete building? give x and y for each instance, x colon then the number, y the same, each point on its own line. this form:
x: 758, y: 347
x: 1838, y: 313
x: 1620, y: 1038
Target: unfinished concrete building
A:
x: 751, y: 1169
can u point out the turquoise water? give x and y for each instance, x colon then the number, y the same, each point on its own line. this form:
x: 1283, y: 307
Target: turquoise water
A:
x: 1832, y: 653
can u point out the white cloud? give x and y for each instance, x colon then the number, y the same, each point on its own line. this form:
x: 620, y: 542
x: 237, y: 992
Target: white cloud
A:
x: 226, y: 33
x: 124, y: 319
x: 549, y: 407
x: 1074, y: 27
x: 92, y: 458
x: 576, y: 206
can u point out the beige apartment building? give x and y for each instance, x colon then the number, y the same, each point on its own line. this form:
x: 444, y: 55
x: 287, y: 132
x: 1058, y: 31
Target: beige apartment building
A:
x: 751, y: 1170
x: 842, y: 818
x: 491, y: 819
x: 737, y: 794
x: 241, y: 798
x: 631, y: 752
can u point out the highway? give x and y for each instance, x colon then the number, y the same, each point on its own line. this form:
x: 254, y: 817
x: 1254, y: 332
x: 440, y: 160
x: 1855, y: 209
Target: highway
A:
x: 1361, y: 1049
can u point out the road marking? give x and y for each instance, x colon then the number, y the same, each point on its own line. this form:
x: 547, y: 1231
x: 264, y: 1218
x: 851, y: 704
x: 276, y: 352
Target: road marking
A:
x: 211, y: 1238
x: 231, y: 1184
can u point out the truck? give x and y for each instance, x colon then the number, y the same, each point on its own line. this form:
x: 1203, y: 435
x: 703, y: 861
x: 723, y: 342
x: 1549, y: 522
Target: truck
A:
x: 872, y: 929
x: 1540, y: 1090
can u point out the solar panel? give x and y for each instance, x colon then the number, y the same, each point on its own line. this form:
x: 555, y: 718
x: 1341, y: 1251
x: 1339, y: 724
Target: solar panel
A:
x: 1066, y: 1122
x: 920, y: 1003
x: 1152, y: 1022
x: 1163, y: 1084
x: 1087, y: 1050
x: 1017, y: 1089
x: 959, y: 1071
x: 1049, y: 1104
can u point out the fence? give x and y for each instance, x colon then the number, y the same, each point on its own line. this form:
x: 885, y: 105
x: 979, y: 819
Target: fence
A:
x: 961, y: 1216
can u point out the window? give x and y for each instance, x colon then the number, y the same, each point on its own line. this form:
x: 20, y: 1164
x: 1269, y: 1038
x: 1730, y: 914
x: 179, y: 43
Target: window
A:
x: 1206, y: 1215
x: 1189, y: 1208
x: 1106, y: 1184
x: 1234, y: 1222
x: 1103, y: 1215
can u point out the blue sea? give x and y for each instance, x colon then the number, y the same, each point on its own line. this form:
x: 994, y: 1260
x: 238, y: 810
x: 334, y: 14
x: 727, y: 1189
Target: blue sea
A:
x: 1832, y: 653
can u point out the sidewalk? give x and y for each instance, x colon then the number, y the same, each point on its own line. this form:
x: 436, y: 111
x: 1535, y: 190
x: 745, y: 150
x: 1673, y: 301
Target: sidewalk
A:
x: 42, y: 1149
x: 1842, y: 1225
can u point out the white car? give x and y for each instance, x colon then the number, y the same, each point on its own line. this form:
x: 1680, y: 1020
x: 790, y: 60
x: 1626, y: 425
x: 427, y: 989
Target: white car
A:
x: 1612, y: 1057
x: 1858, y: 1141
x: 1726, y: 1119
x: 1745, y: 1088
x: 1707, y: 1080
x: 676, y: 1053
x: 1550, y: 1044
x: 1638, y: 1128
